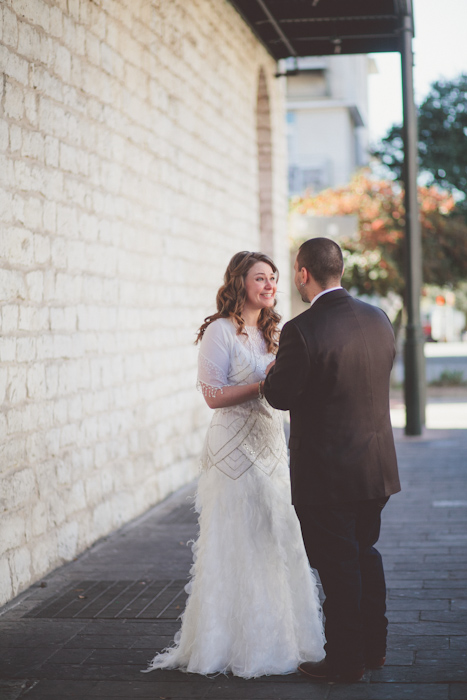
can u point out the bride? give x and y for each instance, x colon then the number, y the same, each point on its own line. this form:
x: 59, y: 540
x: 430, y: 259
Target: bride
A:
x: 253, y: 605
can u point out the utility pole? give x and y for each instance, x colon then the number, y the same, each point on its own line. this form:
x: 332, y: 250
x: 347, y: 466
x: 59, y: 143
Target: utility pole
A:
x: 414, y: 360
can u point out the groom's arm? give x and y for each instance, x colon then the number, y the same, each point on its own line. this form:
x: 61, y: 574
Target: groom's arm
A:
x: 287, y: 378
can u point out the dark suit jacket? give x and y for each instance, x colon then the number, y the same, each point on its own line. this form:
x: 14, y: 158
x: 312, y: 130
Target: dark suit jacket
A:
x: 332, y: 372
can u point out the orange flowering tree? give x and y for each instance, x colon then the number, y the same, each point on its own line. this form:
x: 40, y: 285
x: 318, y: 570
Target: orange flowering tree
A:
x: 374, y: 257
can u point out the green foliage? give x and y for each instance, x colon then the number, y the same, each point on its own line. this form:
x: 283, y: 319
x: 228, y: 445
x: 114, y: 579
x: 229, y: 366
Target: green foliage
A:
x: 449, y: 377
x: 374, y: 257
x: 390, y: 151
x: 442, y: 133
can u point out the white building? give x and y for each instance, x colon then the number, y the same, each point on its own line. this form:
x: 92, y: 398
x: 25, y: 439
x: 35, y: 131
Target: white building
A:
x: 327, y: 120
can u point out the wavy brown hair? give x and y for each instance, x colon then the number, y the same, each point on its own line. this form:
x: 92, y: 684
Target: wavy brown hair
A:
x: 231, y: 299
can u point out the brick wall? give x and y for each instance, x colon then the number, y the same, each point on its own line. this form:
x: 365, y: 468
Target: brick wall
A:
x: 128, y: 177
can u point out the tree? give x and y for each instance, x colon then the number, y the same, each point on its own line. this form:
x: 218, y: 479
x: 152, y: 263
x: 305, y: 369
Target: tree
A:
x: 374, y: 257
x: 442, y: 133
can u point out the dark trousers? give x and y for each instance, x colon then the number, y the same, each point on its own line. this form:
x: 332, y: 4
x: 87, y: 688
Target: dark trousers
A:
x: 339, y: 541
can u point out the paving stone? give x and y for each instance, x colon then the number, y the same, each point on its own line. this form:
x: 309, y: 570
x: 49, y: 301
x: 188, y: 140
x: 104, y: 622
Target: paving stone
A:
x: 392, y: 558
x: 98, y: 641
x: 128, y: 690
x: 428, y: 628
x: 415, y: 642
x: 455, y: 617
x: 458, y: 642
x: 144, y: 692
x: 153, y: 643
x: 408, y: 604
x: 406, y: 583
x: 420, y: 674
x: 55, y: 631
x: 347, y: 691
x: 396, y: 577
x: 415, y: 553
x: 17, y: 662
x: 444, y: 561
x: 131, y: 628
x: 457, y: 691
x: 88, y: 672
x: 212, y: 688
x: 127, y: 657
x: 122, y: 599
x: 421, y: 547
x: 451, y: 584
x: 70, y: 656
x: 447, y: 656
x: 11, y: 690
x: 390, y: 691
x: 400, y: 657
x: 428, y: 567
x: 403, y: 616
x: 111, y: 672
x: 427, y: 594
x: 259, y: 689
x: 60, y: 689
x: 24, y: 640
x: 37, y: 695
x: 458, y: 574
x: 176, y: 676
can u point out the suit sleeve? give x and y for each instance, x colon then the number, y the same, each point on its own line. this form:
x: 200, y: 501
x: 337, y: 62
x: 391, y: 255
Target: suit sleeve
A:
x: 286, y: 380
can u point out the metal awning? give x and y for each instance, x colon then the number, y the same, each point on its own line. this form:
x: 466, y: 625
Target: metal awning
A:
x: 324, y: 27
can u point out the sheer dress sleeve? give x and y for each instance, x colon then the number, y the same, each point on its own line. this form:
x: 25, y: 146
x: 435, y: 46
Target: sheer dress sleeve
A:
x: 214, y: 359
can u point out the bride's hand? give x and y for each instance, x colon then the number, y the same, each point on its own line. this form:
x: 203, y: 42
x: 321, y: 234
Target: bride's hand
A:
x: 270, y: 365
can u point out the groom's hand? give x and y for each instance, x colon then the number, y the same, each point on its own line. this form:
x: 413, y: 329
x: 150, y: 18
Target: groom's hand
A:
x: 270, y: 366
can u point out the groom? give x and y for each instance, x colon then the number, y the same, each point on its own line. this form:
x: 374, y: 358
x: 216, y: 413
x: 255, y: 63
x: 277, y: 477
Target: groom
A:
x: 332, y: 372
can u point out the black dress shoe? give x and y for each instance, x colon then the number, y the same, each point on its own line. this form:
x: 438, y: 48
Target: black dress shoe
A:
x: 321, y: 671
x: 374, y: 662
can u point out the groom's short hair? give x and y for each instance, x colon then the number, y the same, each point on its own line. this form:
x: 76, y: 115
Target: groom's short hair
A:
x: 323, y: 259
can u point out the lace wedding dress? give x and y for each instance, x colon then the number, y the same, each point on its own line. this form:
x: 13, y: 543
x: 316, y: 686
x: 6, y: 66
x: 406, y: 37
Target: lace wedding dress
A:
x: 253, y: 606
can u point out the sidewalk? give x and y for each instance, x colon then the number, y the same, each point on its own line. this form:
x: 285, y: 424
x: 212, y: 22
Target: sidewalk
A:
x: 446, y: 408
x: 93, y: 626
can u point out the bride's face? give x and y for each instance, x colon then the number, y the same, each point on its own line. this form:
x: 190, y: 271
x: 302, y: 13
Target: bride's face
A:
x: 260, y: 286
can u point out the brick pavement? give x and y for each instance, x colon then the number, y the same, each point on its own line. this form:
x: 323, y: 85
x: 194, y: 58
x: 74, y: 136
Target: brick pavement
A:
x: 91, y: 629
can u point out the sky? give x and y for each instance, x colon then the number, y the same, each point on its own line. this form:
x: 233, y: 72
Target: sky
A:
x: 440, y: 48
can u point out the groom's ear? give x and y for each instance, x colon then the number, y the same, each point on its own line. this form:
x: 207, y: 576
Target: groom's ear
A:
x: 305, y: 274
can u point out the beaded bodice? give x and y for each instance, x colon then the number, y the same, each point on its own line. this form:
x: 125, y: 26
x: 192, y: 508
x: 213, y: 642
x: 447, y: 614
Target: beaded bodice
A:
x: 250, y: 434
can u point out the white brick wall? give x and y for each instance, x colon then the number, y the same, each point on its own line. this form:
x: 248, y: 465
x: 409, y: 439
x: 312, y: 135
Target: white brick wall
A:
x: 128, y: 177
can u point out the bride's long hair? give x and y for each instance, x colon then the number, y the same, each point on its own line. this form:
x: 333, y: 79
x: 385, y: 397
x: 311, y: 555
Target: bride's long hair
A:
x: 231, y: 298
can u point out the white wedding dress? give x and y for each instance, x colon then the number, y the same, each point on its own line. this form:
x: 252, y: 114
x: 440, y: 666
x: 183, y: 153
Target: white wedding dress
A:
x: 253, y: 606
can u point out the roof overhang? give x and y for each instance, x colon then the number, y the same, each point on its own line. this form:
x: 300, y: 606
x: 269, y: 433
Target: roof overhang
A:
x: 326, y: 27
